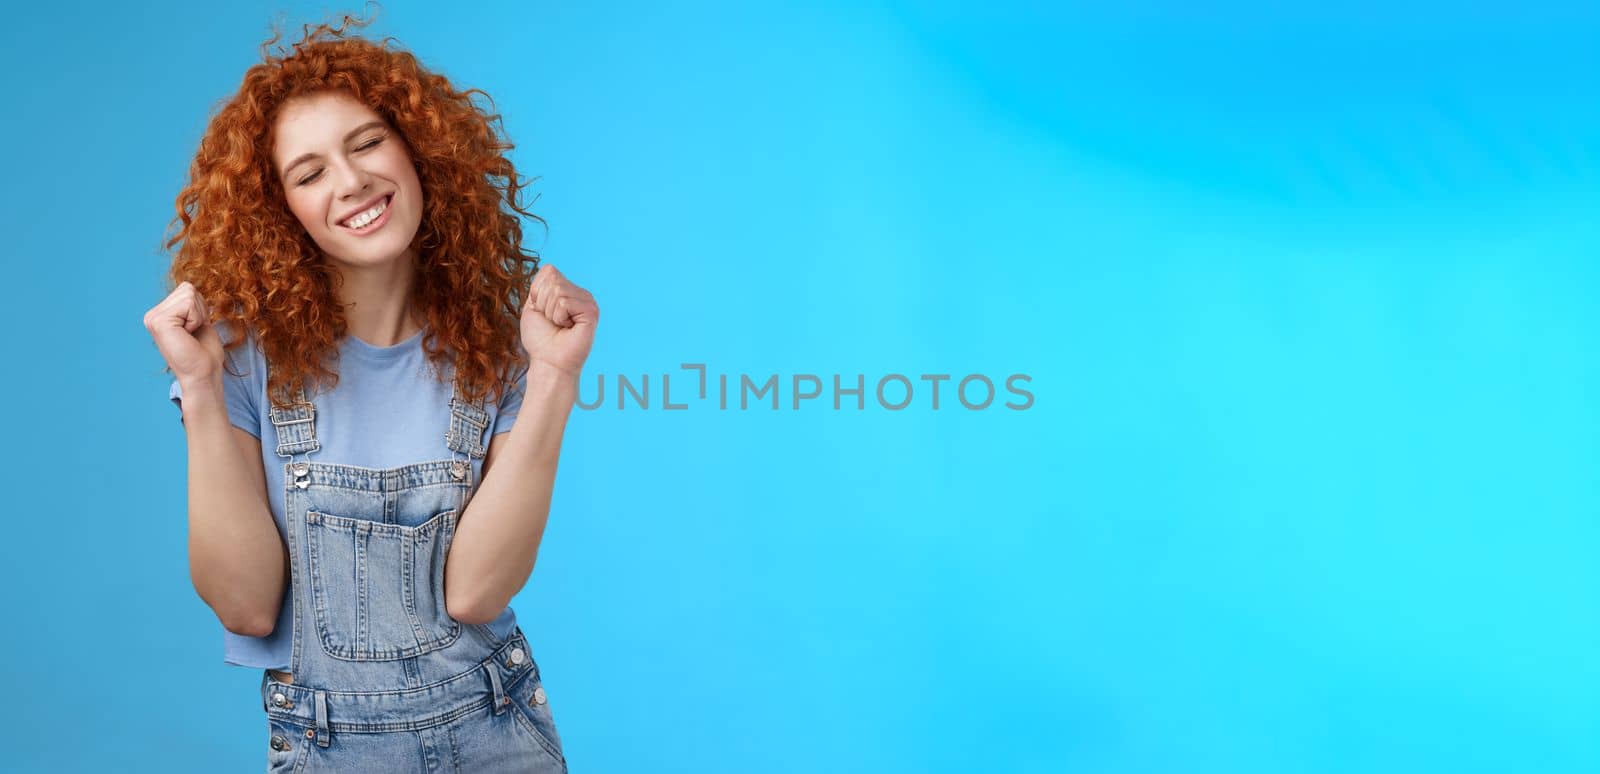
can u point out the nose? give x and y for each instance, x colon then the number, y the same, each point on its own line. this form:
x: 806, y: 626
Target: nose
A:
x: 351, y: 181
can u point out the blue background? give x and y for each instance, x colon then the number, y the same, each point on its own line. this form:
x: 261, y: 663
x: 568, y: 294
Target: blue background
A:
x: 1307, y: 298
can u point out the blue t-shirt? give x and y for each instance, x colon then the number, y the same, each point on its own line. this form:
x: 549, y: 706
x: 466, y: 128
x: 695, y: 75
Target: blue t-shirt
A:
x: 389, y: 409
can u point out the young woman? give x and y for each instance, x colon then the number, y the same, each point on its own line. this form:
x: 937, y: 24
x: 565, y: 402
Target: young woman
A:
x: 374, y: 383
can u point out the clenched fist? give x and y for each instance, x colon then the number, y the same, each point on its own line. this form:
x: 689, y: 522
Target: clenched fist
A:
x: 182, y: 330
x: 558, y: 321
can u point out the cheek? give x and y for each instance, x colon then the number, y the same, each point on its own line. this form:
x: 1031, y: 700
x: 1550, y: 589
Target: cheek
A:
x: 404, y: 172
x: 306, y: 211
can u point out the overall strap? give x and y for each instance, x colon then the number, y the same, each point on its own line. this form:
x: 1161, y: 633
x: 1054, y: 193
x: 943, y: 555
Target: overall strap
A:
x: 296, y: 425
x: 468, y: 422
x: 297, y: 431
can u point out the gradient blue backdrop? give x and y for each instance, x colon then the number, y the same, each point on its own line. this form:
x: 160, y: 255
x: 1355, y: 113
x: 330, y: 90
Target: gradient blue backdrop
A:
x: 1307, y: 297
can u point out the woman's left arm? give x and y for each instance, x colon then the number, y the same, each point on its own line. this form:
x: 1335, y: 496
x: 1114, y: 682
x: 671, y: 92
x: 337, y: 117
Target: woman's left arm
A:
x: 497, y: 537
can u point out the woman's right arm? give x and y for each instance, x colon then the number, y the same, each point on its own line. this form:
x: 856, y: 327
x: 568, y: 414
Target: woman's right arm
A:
x: 237, y: 559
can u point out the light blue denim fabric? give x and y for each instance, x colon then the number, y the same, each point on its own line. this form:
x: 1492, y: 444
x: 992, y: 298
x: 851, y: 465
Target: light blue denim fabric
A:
x: 384, y: 679
x: 389, y: 408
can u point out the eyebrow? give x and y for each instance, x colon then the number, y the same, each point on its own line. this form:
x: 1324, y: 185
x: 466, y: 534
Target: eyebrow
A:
x: 304, y: 157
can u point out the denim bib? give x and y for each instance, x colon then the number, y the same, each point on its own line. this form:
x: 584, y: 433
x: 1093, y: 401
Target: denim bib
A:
x: 384, y: 679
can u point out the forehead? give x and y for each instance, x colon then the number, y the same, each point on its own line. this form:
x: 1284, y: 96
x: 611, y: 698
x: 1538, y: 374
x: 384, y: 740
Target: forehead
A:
x: 306, y: 124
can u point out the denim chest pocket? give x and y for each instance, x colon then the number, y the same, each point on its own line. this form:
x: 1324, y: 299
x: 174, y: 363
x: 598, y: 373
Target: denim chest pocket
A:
x: 378, y: 589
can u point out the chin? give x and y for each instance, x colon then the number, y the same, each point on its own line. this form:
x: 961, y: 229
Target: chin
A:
x: 368, y: 259
x: 371, y: 253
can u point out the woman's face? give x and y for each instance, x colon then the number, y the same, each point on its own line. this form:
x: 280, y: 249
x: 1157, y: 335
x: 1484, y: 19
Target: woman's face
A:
x: 339, y: 162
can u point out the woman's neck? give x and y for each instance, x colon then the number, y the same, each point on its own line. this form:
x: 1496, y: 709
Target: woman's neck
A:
x: 377, y: 302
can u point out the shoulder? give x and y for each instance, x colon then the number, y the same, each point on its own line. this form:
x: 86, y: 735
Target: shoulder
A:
x: 245, y: 366
x: 246, y: 358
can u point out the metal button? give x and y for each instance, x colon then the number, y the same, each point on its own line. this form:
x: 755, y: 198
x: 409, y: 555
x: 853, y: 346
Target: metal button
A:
x: 538, y: 695
x: 516, y: 656
x: 279, y: 699
x: 301, y: 469
x: 311, y: 733
x: 458, y: 469
x: 302, y: 483
x: 279, y: 743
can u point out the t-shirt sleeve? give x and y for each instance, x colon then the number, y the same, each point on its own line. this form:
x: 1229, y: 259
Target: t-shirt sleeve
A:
x: 511, y: 404
x: 238, y: 392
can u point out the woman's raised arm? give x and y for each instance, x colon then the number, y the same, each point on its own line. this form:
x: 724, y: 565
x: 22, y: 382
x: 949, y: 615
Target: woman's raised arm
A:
x: 237, y: 559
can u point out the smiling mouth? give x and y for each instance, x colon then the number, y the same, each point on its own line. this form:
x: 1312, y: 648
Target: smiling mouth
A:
x: 369, y: 222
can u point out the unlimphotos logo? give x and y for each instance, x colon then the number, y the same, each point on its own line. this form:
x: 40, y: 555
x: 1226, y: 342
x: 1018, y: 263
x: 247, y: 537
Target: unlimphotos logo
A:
x: 893, y: 392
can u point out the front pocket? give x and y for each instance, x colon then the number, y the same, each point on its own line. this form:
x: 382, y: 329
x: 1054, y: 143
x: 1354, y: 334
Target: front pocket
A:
x: 378, y: 589
x: 532, y: 708
x: 285, y: 747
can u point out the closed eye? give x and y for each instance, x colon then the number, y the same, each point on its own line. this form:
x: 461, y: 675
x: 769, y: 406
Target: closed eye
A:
x: 311, y: 178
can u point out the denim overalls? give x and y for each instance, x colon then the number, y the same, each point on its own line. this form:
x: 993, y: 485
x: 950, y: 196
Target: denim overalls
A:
x: 384, y: 679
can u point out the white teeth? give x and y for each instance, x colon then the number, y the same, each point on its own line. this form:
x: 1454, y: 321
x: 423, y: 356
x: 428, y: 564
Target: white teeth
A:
x: 362, y: 219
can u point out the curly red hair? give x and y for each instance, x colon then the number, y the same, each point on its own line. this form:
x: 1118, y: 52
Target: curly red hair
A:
x: 259, y: 269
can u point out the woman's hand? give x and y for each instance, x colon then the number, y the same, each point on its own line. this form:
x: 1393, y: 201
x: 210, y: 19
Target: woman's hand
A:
x: 182, y: 330
x: 558, y: 322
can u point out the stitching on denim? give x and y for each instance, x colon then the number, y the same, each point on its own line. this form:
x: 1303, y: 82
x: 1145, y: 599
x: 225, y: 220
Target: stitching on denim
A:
x: 355, y: 478
x: 455, y: 752
x: 296, y: 426
x: 297, y: 579
x: 522, y: 712
x: 359, y: 650
x: 302, y: 694
x: 291, y: 732
x: 528, y: 682
x: 408, y: 580
x: 363, y: 544
x: 425, y: 530
x: 336, y: 726
x: 468, y: 421
x: 519, y: 673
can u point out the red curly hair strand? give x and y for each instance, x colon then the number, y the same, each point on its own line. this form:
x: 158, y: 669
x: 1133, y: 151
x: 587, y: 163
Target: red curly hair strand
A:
x: 259, y: 269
